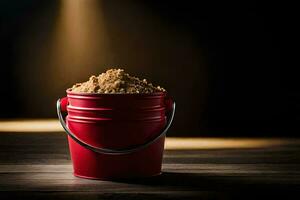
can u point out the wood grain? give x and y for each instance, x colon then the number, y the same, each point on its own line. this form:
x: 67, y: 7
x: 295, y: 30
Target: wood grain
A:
x: 38, y: 166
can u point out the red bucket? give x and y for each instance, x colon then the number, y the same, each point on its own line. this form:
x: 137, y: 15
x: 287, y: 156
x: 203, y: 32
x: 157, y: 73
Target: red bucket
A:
x: 116, y: 136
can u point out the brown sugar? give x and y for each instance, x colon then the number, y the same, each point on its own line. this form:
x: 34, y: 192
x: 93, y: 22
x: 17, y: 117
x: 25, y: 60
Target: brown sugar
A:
x: 115, y: 81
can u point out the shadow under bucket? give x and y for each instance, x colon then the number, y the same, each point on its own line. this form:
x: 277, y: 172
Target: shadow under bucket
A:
x: 116, y: 136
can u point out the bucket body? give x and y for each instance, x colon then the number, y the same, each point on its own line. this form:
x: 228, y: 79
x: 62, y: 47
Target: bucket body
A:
x: 116, y: 121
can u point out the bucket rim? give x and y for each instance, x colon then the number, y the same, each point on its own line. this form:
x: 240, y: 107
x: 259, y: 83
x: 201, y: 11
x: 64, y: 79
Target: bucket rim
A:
x: 69, y: 92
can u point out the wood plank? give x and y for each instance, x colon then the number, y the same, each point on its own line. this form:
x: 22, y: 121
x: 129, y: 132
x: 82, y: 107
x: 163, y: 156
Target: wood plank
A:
x: 39, y: 166
x: 183, y: 168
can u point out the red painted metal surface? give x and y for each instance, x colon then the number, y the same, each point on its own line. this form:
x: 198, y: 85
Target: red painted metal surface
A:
x: 116, y: 121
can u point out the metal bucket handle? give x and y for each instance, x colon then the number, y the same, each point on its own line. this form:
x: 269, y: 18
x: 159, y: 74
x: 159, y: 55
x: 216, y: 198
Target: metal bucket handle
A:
x: 106, y: 150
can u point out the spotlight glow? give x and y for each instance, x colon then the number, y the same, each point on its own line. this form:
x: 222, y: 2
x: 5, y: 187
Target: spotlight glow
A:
x: 80, y: 42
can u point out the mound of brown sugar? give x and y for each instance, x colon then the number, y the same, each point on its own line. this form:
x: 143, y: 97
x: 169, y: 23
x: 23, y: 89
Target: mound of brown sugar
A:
x: 115, y: 81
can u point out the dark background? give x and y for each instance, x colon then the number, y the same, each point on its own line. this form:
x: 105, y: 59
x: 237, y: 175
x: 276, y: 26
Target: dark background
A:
x: 225, y: 63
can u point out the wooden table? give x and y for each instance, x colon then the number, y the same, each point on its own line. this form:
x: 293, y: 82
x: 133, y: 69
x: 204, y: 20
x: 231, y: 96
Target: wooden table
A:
x: 36, y: 165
